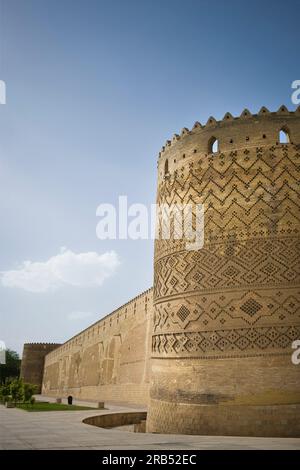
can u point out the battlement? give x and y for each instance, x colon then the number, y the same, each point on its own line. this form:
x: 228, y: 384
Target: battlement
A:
x: 230, y: 133
x: 41, y: 344
x: 228, y: 118
x: 108, y: 321
x: 111, y: 314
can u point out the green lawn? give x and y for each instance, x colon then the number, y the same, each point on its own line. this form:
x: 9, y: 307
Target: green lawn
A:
x: 43, y: 406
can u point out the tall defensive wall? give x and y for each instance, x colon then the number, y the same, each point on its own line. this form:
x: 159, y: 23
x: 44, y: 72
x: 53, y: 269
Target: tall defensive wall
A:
x: 110, y: 360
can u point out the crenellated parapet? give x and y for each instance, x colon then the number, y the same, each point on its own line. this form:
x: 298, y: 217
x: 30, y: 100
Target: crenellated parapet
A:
x: 106, y: 324
x: 108, y: 360
x: 41, y: 345
x: 246, y: 131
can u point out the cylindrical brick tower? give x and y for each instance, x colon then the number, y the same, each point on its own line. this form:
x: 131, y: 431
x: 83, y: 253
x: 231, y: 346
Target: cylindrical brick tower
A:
x: 32, y: 365
x: 226, y: 315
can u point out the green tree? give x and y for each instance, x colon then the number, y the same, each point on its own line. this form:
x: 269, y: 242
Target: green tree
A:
x: 5, y: 391
x: 12, y: 367
x: 28, y: 392
x: 16, y: 390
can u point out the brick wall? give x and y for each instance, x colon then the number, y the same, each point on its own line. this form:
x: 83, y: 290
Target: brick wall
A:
x: 107, y: 361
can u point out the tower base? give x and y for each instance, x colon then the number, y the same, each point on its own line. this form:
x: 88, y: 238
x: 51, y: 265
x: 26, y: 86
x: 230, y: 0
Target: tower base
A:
x: 224, y: 420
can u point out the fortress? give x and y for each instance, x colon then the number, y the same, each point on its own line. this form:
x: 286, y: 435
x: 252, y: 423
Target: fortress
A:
x: 208, y: 349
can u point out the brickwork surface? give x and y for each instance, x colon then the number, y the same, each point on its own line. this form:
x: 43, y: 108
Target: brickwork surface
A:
x: 107, y: 361
x: 225, y: 316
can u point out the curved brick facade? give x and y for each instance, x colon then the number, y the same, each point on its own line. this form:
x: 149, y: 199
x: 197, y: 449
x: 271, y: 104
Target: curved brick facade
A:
x: 225, y: 316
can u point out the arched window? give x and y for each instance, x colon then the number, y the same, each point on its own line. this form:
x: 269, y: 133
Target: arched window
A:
x: 284, y: 137
x: 213, y: 145
x: 166, y: 167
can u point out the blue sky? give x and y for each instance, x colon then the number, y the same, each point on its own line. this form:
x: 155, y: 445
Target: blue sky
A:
x: 94, y: 88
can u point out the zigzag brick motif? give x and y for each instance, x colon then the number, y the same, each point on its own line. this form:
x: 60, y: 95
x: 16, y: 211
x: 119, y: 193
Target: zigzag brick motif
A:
x: 245, y: 194
x: 233, y: 305
x: 270, y: 262
x: 252, y: 222
x: 209, y: 344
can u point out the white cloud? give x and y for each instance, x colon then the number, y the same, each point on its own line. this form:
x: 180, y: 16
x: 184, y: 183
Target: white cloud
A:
x: 80, y: 315
x: 65, y: 269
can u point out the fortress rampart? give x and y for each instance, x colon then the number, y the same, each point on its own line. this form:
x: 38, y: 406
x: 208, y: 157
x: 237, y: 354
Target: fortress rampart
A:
x: 209, y: 347
x: 110, y: 360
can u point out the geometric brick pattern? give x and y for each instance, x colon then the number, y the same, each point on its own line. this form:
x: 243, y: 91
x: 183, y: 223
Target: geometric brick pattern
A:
x: 247, y: 273
x: 225, y: 316
x: 246, y: 193
x: 251, y: 307
x: 269, y: 262
x: 237, y: 342
x: 228, y: 309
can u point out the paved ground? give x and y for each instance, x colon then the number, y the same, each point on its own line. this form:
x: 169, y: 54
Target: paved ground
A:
x: 64, y: 430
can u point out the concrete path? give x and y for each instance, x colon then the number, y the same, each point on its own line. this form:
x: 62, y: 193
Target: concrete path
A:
x: 64, y: 430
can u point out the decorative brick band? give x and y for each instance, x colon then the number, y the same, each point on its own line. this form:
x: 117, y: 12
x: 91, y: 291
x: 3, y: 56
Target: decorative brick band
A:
x: 225, y: 343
